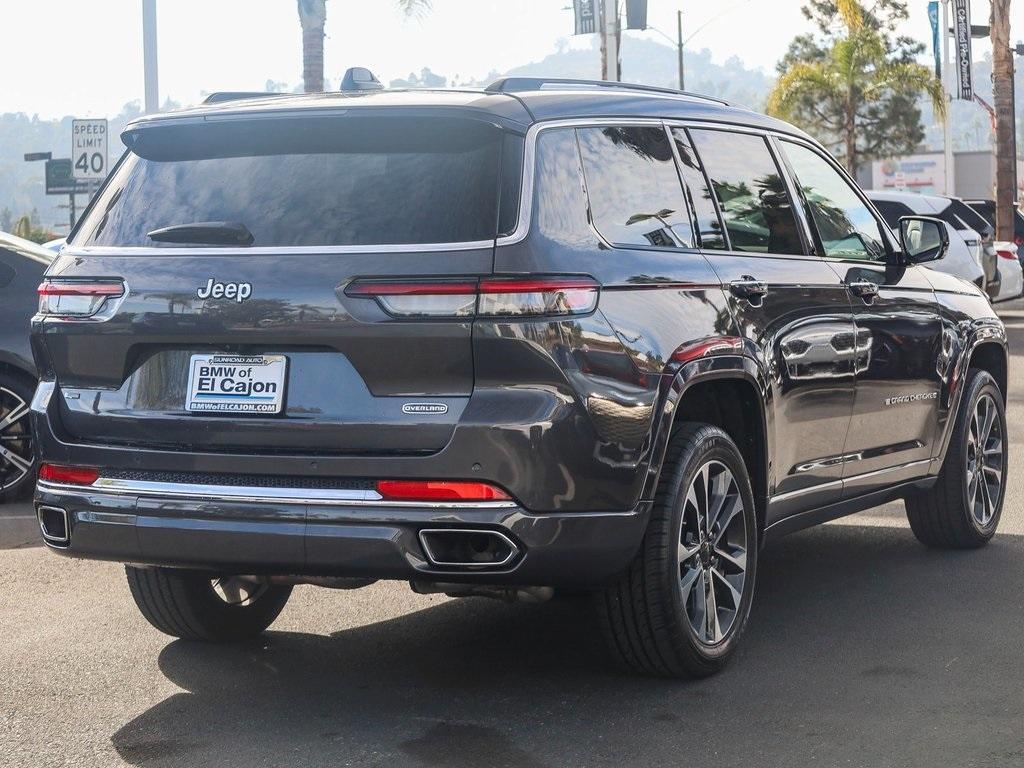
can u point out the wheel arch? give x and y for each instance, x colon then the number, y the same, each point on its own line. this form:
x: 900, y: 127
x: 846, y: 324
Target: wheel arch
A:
x: 708, y: 391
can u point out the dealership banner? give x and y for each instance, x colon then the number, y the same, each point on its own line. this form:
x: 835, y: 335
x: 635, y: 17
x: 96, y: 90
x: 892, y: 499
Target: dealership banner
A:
x: 933, y: 17
x: 962, y: 43
x: 586, y: 16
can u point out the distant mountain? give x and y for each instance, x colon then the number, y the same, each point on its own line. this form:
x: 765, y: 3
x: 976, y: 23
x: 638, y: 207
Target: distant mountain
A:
x: 653, y: 63
x: 643, y: 61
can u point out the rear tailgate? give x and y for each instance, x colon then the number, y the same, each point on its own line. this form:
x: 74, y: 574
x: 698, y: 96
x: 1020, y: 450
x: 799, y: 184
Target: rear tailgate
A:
x: 328, y: 201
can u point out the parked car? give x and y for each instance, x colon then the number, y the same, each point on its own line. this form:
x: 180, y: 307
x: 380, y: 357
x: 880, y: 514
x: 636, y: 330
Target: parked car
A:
x: 22, y: 264
x: 987, y: 209
x: 549, y: 334
x: 1012, y: 284
x: 972, y: 254
x: 56, y: 244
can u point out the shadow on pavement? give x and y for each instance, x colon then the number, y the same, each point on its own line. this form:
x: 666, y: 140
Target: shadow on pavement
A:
x: 864, y: 649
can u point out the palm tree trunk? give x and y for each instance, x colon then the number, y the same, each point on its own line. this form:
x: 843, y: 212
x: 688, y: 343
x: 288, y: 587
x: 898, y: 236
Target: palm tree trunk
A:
x: 850, y: 137
x: 1002, y: 88
x: 313, y: 16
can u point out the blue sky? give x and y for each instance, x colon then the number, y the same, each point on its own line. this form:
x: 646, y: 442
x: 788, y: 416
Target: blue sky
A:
x: 85, y: 58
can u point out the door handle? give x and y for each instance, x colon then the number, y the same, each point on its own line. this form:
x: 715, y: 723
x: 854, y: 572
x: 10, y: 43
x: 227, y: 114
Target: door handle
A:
x: 749, y: 288
x: 863, y: 288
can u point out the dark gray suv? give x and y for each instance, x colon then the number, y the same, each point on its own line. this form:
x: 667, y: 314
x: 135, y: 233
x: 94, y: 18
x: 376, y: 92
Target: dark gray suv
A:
x: 552, y: 334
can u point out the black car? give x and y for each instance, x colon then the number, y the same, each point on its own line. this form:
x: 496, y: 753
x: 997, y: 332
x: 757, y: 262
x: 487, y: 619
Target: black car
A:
x: 987, y: 209
x: 22, y: 265
x: 551, y: 334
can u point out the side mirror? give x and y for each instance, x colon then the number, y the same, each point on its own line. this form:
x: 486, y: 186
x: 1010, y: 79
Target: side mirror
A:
x: 923, y: 239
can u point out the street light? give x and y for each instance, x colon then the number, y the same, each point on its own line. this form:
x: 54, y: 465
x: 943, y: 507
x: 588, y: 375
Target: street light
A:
x: 680, y: 43
x: 31, y: 157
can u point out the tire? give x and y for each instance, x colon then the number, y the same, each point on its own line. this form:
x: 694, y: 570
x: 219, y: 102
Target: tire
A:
x: 650, y: 617
x: 186, y: 604
x: 17, y: 451
x: 957, y: 512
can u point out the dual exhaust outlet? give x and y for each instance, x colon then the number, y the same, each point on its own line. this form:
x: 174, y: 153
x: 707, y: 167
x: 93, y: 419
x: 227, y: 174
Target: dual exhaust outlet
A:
x: 467, y: 548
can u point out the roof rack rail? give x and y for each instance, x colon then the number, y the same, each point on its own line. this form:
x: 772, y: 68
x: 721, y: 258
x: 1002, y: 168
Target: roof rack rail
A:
x: 517, y: 84
x: 220, y: 97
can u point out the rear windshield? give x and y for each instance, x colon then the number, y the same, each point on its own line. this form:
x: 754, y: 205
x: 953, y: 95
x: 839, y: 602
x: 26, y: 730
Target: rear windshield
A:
x: 320, y: 181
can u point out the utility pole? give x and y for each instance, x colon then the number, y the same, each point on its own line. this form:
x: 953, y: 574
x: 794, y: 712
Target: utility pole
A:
x: 682, y: 71
x: 947, y: 124
x: 609, y: 40
x: 149, y: 62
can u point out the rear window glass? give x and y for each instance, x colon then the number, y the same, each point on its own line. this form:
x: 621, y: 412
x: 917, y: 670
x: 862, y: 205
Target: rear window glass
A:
x: 635, y: 194
x: 311, y: 181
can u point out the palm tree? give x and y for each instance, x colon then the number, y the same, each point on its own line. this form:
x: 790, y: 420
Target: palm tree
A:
x: 313, y: 17
x: 851, y: 78
x: 1002, y: 91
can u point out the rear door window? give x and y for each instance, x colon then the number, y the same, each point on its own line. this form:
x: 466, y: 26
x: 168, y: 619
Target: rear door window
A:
x: 341, y: 180
x: 845, y: 225
x: 751, y: 192
x: 635, y: 195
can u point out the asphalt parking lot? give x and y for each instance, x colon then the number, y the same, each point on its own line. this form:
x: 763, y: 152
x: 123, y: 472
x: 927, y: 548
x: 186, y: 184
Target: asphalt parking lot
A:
x: 864, y: 649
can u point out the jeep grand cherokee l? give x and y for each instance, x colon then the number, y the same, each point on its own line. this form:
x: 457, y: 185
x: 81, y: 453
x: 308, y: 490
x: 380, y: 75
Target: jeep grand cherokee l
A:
x: 544, y: 335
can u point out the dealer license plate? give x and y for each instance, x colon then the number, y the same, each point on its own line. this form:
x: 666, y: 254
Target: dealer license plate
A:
x: 236, y: 383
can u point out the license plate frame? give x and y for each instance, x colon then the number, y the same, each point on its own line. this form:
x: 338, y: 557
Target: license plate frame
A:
x: 239, y: 385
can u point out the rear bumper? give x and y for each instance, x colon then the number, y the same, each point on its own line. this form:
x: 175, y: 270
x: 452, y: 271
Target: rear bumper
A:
x: 336, y: 537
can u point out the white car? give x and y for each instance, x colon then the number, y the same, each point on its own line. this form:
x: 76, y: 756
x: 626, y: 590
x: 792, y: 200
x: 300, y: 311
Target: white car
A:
x: 964, y: 258
x: 1012, y: 285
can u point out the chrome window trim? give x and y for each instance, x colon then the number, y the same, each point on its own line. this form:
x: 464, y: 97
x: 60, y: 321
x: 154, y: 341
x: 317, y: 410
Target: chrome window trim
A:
x: 258, y: 495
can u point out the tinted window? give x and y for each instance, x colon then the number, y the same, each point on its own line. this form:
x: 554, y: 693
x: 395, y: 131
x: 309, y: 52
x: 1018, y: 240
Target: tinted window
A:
x: 846, y: 227
x: 511, y: 183
x: 6, y: 274
x: 892, y: 211
x: 751, y: 192
x: 962, y: 217
x: 559, y: 203
x: 342, y: 180
x: 698, y: 195
x: 633, y: 186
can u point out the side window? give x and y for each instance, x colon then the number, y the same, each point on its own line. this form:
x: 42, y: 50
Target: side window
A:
x: 633, y: 186
x: 751, y: 192
x: 846, y: 226
x: 698, y: 195
x: 892, y: 211
x: 559, y: 202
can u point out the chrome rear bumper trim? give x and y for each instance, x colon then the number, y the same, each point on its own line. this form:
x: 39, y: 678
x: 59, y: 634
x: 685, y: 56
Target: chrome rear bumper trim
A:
x: 254, y: 494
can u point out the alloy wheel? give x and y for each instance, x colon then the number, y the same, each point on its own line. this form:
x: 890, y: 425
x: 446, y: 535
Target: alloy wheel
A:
x: 713, y: 553
x: 984, y: 460
x: 16, y: 458
x: 235, y: 590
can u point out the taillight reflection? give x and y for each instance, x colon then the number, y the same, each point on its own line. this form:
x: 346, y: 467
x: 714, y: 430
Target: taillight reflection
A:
x: 490, y: 297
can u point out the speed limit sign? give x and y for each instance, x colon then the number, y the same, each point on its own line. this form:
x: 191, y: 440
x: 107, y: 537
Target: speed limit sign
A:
x: 89, y: 149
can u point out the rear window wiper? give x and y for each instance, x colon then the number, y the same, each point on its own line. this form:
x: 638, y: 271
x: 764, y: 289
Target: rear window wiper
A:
x: 209, y: 232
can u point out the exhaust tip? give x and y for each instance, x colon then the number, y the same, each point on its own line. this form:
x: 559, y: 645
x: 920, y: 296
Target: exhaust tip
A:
x: 53, y: 523
x: 467, y: 548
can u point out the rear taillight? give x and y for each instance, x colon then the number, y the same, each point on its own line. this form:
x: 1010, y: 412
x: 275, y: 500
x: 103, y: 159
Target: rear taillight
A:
x: 1018, y: 240
x: 60, y: 473
x: 491, y: 297
x: 76, y: 299
x: 439, y: 490
x: 1007, y: 253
